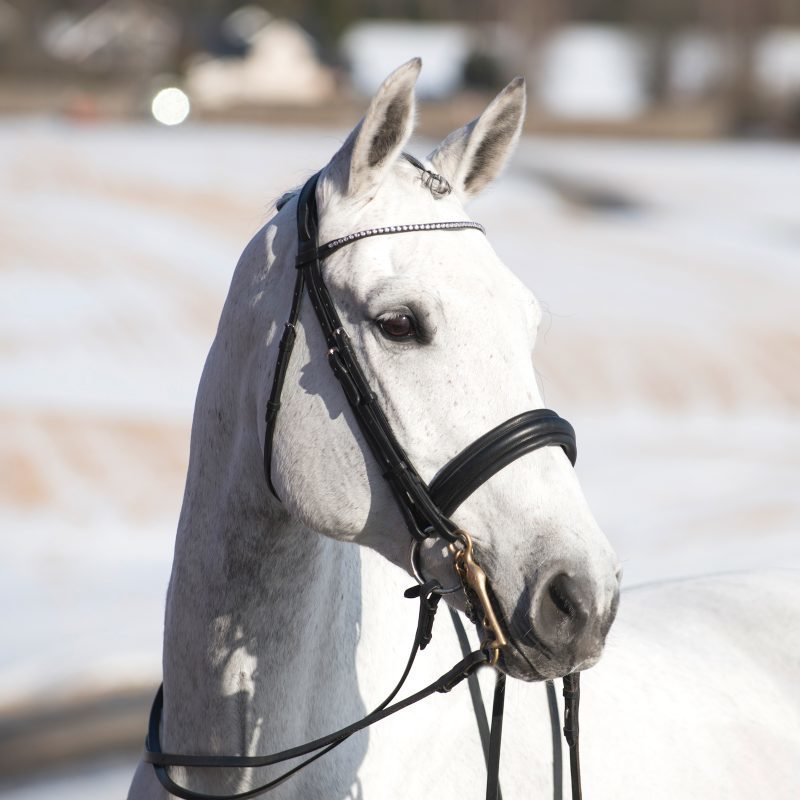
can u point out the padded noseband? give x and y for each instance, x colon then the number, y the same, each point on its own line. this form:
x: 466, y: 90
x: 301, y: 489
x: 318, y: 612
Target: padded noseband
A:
x: 498, y: 448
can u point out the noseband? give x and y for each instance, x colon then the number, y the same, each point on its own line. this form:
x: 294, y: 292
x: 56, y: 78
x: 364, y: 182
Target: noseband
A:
x: 426, y: 508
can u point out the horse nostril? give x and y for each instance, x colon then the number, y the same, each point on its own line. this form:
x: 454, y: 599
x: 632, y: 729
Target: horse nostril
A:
x: 567, y: 618
x: 560, y: 601
x: 561, y: 615
x: 566, y: 596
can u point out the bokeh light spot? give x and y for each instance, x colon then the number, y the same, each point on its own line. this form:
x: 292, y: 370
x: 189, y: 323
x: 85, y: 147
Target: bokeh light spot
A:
x: 170, y: 106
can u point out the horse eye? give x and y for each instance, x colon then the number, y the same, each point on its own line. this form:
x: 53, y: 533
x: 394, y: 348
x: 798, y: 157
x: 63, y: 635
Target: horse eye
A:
x: 401, y: 326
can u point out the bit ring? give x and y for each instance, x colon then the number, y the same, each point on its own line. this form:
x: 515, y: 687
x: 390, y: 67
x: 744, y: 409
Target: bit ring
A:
x: 416, y: 571
x: 492, y: 650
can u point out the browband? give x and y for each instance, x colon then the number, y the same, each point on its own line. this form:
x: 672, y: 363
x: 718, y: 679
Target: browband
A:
x: 336, y: 244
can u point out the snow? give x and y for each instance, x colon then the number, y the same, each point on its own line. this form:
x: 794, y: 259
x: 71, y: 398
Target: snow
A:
x: 104, y: 781
x: 670, y: 339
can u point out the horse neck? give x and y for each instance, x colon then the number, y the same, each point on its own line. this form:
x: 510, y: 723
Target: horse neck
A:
x: 262, y: 615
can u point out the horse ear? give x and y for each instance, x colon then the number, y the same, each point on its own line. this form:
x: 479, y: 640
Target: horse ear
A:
x: 372, y: 147
x: 471, y: 157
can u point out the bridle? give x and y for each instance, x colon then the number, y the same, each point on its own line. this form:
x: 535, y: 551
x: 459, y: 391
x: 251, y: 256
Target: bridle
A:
x: 426, y: 509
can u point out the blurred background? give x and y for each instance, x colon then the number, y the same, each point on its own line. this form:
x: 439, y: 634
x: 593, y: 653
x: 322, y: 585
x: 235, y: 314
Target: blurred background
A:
x: 652, y: 207
x: 621, y: 67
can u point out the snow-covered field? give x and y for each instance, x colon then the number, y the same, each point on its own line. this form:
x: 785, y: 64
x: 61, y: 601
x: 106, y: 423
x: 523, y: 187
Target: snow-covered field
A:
x: 670, y: 274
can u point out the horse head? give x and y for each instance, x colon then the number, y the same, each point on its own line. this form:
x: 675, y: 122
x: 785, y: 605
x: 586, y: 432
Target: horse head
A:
x: 444, y: 333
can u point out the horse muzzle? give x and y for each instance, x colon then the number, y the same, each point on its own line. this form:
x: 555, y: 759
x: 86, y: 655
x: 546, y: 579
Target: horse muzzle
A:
x: 557, y: 626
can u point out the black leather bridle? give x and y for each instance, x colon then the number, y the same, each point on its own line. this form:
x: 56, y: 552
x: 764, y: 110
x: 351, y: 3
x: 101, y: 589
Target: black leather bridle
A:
x: 425, y: 508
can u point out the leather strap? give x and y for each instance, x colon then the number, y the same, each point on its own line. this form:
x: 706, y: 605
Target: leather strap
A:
x: 572, y: 699
x: 555, y: 740
x: 495, y: 450
x: 493, y: 767
x: 421, y: 515
x: 284, y: 354
x: 491, y: 750
x: 154, y: 755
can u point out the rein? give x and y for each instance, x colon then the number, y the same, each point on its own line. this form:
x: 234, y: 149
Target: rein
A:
x: 426, y: 510
x: 428, y: 602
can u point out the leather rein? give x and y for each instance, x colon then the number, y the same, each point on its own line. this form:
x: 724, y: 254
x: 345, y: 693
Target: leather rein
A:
x: 426, y: 510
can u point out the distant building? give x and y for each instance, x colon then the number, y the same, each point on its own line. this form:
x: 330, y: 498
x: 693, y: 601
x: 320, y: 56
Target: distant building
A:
x: 279, y: 67
x: 584, y: 71
x: 777, y: 64
x: 697, y: 65
x: 374, y: 48
x: 591, y: 72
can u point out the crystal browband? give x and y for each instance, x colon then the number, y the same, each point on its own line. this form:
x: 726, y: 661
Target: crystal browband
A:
x: 330, y: 247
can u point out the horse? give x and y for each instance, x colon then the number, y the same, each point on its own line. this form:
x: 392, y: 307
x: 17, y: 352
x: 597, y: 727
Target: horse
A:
x: 284, y: 618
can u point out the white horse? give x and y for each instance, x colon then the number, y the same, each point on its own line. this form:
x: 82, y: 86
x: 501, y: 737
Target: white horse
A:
x: 280, y: 628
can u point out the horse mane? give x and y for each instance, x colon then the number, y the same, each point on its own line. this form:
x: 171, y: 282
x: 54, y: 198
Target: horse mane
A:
x: 286, y: 197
